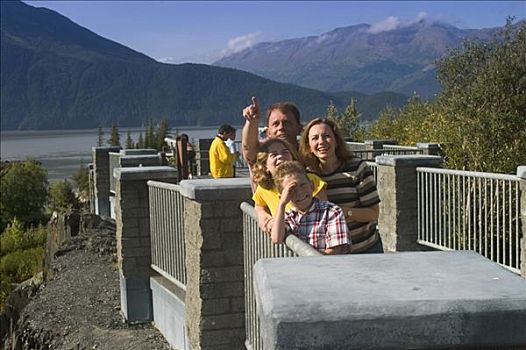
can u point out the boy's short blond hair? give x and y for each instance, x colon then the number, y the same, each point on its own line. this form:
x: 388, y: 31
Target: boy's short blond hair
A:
x: 288, y: 168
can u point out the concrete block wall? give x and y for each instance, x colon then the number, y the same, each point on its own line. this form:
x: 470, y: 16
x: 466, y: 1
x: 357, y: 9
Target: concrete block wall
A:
x: 101, y: 178
x: 203, y: 164
x: 397, y: 188
x: 215, y: 314
x: 133, y: 237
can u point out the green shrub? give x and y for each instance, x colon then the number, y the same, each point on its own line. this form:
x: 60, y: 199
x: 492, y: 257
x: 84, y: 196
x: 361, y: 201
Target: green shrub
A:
x: 17, y: 267
x: 16, y: 238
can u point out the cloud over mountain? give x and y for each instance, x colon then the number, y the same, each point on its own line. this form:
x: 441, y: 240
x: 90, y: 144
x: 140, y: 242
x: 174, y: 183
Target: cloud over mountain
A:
x: 240, y: 43
x: 392, y: 23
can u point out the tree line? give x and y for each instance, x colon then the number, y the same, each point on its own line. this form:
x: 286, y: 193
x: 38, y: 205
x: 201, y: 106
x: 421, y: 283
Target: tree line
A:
x: 151, y: 137
x: 478, y: 117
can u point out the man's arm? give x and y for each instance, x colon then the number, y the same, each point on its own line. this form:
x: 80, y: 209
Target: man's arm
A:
x: 249, y: 136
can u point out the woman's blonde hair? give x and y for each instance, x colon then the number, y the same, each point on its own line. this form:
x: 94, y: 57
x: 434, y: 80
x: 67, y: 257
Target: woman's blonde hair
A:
x: 310, y: 160
x: 260, y: 174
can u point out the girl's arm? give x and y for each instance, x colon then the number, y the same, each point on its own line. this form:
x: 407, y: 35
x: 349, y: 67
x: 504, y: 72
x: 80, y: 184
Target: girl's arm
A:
x: 264, y: 218
x: 362, y: 214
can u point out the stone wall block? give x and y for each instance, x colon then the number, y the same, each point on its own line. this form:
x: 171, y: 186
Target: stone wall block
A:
x: 222, y: 274
x: 222, y: 290
x: 221, y: 339
x: 397, y: 189
x: 224, y: 321
x: 216, y: 306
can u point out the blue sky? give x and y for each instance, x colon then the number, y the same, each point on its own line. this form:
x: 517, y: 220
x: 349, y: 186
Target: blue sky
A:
x: 202, y: 32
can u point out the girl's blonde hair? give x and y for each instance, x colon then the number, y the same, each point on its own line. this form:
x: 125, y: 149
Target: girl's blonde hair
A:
x: 260, y: 174
x: 310, y: 160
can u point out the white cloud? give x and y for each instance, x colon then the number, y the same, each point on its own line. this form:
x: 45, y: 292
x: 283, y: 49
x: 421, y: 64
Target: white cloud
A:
x: 392, y: 23
x: 240, y: 43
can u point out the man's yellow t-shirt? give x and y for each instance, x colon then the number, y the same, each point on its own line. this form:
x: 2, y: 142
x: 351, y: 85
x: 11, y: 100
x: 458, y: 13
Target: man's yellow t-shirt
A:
x: 221, y: 160
x: 270, y: 198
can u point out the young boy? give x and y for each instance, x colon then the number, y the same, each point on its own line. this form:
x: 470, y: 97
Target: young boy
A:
x: 319, y: 223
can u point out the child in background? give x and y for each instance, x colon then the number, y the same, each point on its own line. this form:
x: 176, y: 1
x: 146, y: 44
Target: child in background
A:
x: 266, y: 196
x: 318, y: 223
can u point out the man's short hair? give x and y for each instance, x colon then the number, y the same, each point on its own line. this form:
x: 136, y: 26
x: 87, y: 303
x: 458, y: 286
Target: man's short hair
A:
x: 287, y: 108
x: 287, y: 168
x: 226, y: 129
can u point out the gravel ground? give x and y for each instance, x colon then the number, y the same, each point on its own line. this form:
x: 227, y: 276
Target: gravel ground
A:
x: 80, y: 307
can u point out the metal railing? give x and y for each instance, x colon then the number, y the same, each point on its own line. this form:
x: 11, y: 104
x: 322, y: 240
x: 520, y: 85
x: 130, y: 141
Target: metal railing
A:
x: 371, y: 154
x: 400, y: 147
x: 258, y: 245
x: 465, y: 210
x: 374, y: 168
x: 167, y: 233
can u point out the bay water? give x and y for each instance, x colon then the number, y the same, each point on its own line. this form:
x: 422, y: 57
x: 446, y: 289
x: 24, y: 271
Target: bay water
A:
x: 62, y: 151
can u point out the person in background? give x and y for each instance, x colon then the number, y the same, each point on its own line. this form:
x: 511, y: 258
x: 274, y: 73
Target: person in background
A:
x: 221, y: 160
x: 266, y: 196
x: 190, y: 154
x: 318, y: 223
x: 350, y: 182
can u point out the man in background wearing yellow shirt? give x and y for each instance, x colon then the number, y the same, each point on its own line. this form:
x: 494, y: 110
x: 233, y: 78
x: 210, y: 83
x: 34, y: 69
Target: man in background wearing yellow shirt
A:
x: 221, y: 160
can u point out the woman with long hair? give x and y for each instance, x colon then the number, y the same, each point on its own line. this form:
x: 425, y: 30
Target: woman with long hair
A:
x: 350, y: 182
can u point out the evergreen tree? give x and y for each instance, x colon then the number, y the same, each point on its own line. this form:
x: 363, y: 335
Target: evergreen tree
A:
x: 100, y: 140
x: 140, y: 141
x: 115, y: 138
x: 149, y: 140
x: 81, y: 180
x: 129, y: 141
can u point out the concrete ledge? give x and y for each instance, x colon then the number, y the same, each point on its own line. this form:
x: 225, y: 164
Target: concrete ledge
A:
x: 216, y: 189
x: 132, y: 152
x: 105, y: 149
x: 433, y: 146
x: 145, y: 172
x: 389, y: 301
x: 140, y: 160
x: 169, y: 313
x: 521, y: 172
x: 376, y: 143
x: 409, y: 160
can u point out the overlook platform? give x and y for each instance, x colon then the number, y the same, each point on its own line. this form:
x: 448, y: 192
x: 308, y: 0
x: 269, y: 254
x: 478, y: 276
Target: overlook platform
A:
x: 416, y: 300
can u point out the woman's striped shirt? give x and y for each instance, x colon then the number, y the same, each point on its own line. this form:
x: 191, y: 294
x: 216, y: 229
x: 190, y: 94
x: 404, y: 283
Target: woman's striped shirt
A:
x: 353, y: 186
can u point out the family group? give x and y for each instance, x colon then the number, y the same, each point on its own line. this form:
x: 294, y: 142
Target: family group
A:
x: 310, y: 186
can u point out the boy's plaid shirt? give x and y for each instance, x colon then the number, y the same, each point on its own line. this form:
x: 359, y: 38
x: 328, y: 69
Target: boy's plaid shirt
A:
x: 323, y: 226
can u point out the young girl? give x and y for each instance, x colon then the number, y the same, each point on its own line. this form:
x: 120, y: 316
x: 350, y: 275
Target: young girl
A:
x: 266, y: 197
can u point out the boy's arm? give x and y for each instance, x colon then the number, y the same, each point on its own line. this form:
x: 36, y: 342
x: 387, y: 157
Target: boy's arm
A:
x: 249, y: 135
x: 278, y: 226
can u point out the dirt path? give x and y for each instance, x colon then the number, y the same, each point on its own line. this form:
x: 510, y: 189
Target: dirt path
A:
x: 80, y: 307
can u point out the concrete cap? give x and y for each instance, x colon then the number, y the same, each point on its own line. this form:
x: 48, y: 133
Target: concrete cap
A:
x: 521, y: 172
x: 428, y: 145
x: 412, y: 160
x: 105, y: 149
x: 145, y: 173
x: 138, y: 151
x: 380, y: 142
x: 217, y: 189
x: 399, y: 300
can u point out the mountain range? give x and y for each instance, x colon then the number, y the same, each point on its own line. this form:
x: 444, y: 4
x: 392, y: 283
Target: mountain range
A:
x: 56, y: 74
x: 361, y: 57
x: 59, y: 75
